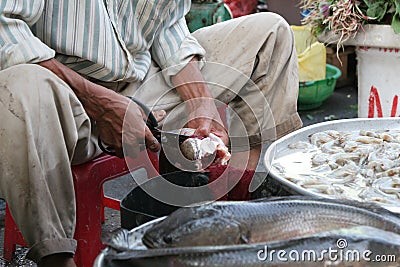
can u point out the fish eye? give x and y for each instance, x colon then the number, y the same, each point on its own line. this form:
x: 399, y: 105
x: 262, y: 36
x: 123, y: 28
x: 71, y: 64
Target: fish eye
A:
x: 167, y: 239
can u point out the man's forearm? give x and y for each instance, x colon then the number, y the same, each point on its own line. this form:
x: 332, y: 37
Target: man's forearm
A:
x: 110, y: 110
x: 87, y: 92
x: 202, y: 111
x: 190, y: 84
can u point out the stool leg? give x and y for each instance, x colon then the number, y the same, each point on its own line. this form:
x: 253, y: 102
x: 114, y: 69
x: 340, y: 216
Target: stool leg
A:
x: 88, y: 224
x: 12, y: 236
x: 88, y: 181
x: 10, y: 242
x: 102, y: 216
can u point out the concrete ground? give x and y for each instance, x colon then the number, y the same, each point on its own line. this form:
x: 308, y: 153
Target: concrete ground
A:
x: 341, y: 105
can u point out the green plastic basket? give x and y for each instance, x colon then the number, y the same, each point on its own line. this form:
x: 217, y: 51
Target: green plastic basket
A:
x: 313, y: 93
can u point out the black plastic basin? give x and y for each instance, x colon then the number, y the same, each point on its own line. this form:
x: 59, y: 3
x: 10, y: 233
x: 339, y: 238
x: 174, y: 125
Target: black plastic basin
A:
x: 138, y: 207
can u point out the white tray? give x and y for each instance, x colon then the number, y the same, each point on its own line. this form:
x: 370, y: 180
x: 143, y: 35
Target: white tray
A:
x: 280, y: 147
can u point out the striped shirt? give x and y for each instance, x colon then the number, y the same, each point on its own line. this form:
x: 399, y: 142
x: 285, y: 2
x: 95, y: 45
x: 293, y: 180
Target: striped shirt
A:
x: 108, y: 40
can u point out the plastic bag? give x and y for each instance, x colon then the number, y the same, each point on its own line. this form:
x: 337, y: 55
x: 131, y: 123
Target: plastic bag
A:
x: 311, y: 55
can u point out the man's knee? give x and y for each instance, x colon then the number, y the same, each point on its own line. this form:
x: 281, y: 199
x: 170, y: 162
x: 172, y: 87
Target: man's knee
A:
x: 269, y: 21
x: 270, y: 18
x: 24, y: 71
x: 28, y: 83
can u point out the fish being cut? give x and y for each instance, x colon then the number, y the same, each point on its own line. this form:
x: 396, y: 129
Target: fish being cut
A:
x: 232, y: 223
x: 203, y: 150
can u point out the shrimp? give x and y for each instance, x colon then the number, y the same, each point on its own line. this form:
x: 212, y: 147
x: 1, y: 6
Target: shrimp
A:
x: 319, y: 159
x: 348, y: 170
x: 301, y: 145
x: 388, y: 185
x: 369, y: 140
x: 331, y: 147
x: 320, y: 138
x: 391, y: 172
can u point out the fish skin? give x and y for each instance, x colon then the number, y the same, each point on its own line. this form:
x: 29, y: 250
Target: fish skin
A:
x: 359, y: 238
x: 232, y: 223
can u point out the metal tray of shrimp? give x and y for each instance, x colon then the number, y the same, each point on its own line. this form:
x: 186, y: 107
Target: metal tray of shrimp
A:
x: 355, y: 159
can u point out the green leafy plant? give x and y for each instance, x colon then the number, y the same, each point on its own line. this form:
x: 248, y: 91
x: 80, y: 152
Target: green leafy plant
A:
x: 345, y: 18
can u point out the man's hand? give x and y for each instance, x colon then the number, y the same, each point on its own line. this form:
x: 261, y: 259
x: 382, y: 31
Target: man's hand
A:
x: 119, y: 120
x: 121, y: 126
x: 205, y: 118
x: 203, y: 114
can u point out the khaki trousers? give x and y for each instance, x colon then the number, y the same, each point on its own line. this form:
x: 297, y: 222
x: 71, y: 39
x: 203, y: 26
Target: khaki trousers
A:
x: 44, y: 128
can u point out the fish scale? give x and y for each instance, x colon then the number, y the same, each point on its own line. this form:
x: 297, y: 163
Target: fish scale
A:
x: 283, y: 226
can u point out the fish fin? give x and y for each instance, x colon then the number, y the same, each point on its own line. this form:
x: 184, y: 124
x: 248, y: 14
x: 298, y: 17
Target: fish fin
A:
x: 175, y: 251
x: 116, y: 239
x: 284, y: 198
x: 362, y: 205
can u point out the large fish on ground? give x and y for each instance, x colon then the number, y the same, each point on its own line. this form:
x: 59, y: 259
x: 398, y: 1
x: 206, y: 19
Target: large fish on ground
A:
x: 359, y: 246
x: 232, y: 223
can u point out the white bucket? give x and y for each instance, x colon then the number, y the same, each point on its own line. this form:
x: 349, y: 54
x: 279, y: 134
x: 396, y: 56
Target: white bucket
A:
x: 378, y: 81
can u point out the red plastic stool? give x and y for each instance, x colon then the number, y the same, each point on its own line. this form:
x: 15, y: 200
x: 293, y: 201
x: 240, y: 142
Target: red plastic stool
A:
x: 88, y: 181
